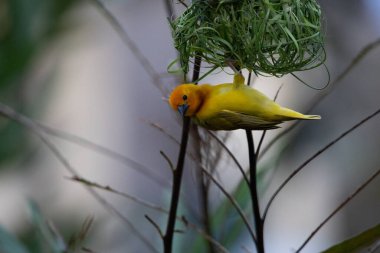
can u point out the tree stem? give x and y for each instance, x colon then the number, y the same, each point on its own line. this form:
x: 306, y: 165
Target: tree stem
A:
x: 254, y: 195
x: 177, y: 173
x: 177, y: 178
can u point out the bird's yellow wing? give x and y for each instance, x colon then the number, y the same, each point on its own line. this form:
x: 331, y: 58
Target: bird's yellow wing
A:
x: 230, y: 120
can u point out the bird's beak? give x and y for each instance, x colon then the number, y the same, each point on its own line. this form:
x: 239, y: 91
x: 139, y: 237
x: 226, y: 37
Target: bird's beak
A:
x: 182, y: 109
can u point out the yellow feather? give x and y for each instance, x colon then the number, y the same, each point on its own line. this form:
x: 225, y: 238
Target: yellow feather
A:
x: 231, y: 106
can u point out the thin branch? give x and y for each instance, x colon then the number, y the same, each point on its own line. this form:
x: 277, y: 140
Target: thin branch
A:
x: 171, y: 137
x: 229, y: 152
x: 295, y: 172
x: 77, y: 239
x: 245, y: 249
x: 34, y: 127
x: 233, y: 202
x: 85, y: 249
x: 265, y: 131
x: 162, y: 130
x: 259, y: 224
x: 374, y: 247
x: 177, y: 174
x: 109, y: 153
x: 155, y: 225
x: 169, y: 9
x: 340, y: 207
x: 123, y: 194
x: 277, y: 138
x: 204, y: 234
x: 357, y: 59
x: 138, y: 167
x: 189, y: 154
x: 249, y: 78
x: 183, y: 3
x: 167, y: 159
x: 177, y: 178
x: 260, y: 143
x: 203, y: 182
x: 204, y: 187
x: 145, y: 63
x: 213, y: 159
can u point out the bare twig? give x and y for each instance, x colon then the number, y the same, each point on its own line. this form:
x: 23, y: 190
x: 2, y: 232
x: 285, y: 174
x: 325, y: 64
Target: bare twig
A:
x: 203, y: 182
x: 169, y: 9
x: 374, y: 247
x: 155, y: 225
x: 277, y: 138
x: 171, y: 137
x: 138, y: 167
x: 34, y: 127
x: 167, y: 159
x: 123, y: 194
x: 357, y: 59
x: 183, y: 3
x: 145, y: 63
x: 229, y: 152
x: 177, y: 174
x: 303, y: 165
x: 79, y: 238
x: 87, y: 250
x: 340, y: 207
x: 265, y: 131
x: 245, y: 249
x: 233, y: 202
x: 162, y: 130
x: 259, y: 223
x: 207, y: 236
x: 249, y: 78
x: 177, y: 178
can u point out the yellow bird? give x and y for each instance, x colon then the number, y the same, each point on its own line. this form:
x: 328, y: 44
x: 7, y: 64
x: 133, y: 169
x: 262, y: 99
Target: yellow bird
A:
x: 231, y: 106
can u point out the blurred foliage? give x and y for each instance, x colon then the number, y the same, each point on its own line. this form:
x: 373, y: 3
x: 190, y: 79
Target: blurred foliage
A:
x: 41, y: 236
x: 25, y: 27
x: 46, y: 234
x: 358, y: 242
x: 10, y: 244
x: 227, y: 225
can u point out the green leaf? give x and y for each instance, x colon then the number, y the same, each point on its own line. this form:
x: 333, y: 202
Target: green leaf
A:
x: 26, y: 27
x: 365, y: 239
x: 49, y: 235
x: 10, y: 244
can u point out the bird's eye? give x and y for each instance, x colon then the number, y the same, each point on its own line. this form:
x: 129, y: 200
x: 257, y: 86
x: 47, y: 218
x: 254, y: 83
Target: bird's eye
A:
x: 184, y: 97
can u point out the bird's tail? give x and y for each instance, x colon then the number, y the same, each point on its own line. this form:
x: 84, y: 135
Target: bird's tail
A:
x: 289, y: 114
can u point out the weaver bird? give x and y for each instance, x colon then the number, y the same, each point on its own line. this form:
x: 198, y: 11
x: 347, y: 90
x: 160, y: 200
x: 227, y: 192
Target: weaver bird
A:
x: 231, y: 106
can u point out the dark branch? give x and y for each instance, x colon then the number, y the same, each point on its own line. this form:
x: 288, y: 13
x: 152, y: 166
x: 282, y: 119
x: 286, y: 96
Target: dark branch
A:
x: 127, y: 40
x: 177, y: 173
x: 340, y: 207
x: 155, y: 225
x: 38, y: 131
x: 303, y: 165
x: 254, y: 195
x: 233, y: 202
x: 357, y: 59
x: 229, y: 152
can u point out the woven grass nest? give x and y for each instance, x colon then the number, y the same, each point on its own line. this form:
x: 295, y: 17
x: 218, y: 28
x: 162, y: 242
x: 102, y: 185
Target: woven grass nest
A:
x: 268, y: 37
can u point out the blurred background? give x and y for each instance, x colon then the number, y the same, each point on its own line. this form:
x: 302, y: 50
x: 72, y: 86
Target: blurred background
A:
x: 63, y: 64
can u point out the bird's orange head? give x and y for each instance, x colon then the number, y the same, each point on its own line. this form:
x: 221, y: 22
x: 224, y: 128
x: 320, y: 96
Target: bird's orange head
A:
x: 186, y: 99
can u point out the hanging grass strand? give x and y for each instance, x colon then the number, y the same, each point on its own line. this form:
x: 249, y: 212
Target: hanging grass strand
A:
x: 274, y: 37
